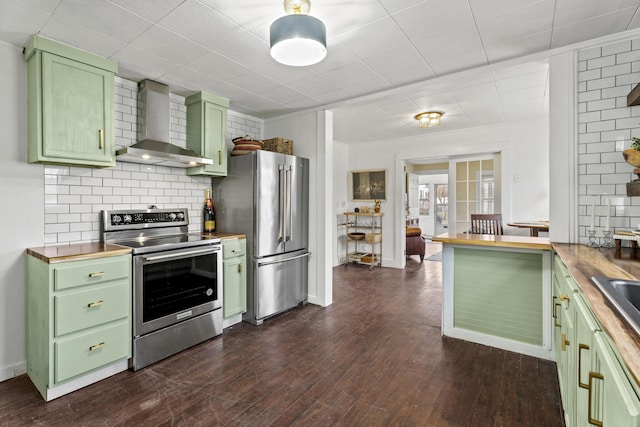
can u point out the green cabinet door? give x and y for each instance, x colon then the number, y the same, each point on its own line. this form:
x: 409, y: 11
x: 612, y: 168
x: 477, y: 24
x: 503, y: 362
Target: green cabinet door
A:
x: 612, y: 402
x: 585, y: 328
x: 206, y: 131
x: 235, y: 286
x: 70, y: 106
x: 564, y: 338
x: 75, y: 121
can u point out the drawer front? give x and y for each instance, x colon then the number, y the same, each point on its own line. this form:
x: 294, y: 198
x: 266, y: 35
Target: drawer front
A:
x: 85, y: 308
x: 233, y: 248
x: 91, y: 350
x: 81, y: 273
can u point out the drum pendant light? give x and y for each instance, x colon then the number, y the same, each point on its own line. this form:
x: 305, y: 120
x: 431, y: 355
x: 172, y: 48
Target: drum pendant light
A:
x: 298, y: 39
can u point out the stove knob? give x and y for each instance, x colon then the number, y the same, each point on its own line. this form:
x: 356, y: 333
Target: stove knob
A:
x: 127, y: 219
x: 115, y: 219
x: 172, y: 216
x: 180, y: 216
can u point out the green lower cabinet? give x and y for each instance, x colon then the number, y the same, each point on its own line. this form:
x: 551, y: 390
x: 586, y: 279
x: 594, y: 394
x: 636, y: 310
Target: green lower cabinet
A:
x: 611, y: 399
x: 78, y: 321
x: 235, y: 277
x: 595, y: 388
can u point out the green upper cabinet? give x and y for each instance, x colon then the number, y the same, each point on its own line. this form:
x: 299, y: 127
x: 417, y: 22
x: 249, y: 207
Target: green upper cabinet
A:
x: 206, y: 130
x: 70, y: 105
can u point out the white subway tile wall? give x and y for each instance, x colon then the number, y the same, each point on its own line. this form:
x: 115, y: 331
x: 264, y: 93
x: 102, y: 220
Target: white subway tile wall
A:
x: 74, y: 197
x: 606, y: 75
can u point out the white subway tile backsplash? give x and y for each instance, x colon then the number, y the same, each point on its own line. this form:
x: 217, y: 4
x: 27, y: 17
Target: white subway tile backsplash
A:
x: 603, y: 104
x: 75, y: 196
x: 601, y: 126
x: 601, y: 83
x: 586, y: 54
x: 618, y: 47
x: 601, y: 63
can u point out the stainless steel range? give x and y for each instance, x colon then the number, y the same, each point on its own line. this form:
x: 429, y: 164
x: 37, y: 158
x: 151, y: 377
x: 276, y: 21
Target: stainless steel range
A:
x: 177, y: 281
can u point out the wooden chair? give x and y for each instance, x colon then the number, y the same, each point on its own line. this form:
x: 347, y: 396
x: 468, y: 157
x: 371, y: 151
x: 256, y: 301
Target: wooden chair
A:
x: 486, y: 224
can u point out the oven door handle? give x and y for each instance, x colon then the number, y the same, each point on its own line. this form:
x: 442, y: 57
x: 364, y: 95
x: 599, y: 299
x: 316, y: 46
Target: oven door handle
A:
x: 260, y: 263
x: 180, y: 254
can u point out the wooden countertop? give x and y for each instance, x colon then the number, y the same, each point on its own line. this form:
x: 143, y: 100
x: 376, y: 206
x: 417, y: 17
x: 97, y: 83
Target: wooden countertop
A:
x: 224, y: 236
x: 78, y: 251
x: 519, y: 242
x: 583, y: 263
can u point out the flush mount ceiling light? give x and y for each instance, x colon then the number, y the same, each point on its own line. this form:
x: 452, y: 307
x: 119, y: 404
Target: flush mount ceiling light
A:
x: 428, y: 119
x: 298, y: 39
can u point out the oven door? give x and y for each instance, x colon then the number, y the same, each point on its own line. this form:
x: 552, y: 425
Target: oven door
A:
x: 173, y: 286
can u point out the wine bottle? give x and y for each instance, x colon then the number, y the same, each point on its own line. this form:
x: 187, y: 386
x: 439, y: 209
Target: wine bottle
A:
x: 208, y: 214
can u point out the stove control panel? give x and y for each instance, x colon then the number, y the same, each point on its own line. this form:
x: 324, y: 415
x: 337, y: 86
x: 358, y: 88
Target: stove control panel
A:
x: 146, y: 218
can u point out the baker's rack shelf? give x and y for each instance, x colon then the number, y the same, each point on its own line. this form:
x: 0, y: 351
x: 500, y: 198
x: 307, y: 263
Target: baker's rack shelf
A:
x: 363, y: 238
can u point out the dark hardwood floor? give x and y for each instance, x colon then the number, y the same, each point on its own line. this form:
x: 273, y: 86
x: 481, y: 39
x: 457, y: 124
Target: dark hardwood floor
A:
x: 373, y: 358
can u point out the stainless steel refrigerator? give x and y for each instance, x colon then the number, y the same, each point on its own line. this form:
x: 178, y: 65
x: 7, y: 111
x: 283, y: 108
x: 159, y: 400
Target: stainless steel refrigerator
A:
x: 265, y: 196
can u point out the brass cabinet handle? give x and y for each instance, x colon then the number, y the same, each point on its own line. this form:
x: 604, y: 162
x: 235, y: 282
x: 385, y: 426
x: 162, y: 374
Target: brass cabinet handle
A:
x: 580, y: 348
x: 239, y: 268
x: 565, y: 342
x: 219, y: 157
x: 101, y: 134
x: 555, y: 316
x: 599, y: 376
x: 96, y: 274
x: 97, y: 346
x: 95, y: 304
x: 564, y: 297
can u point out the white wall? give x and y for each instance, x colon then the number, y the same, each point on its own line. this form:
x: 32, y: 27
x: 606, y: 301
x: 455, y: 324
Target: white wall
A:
x: 312, y: 135
x: 340, y: 197
x: 525, y: 178
x: 21, y: 212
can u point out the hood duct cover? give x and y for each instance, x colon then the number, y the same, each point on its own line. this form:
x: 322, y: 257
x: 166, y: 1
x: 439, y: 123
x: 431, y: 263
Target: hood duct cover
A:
x: 153, y: 147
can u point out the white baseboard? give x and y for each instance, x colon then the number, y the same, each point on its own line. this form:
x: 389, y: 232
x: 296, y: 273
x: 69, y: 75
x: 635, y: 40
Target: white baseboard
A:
x: 12, y: 371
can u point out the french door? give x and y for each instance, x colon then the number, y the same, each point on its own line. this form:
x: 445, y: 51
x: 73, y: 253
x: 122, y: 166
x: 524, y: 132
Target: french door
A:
x: 474, y: 187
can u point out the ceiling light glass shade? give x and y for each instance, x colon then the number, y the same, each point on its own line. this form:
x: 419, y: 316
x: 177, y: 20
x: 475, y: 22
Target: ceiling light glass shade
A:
x: 298, y: 40
x: 428, y: 119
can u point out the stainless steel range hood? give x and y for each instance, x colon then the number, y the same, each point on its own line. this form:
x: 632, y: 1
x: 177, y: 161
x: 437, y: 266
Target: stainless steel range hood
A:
x: 153, y: 147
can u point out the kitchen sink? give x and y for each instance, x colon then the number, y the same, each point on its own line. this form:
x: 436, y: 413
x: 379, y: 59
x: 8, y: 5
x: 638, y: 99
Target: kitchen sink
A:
x: 624, y: 295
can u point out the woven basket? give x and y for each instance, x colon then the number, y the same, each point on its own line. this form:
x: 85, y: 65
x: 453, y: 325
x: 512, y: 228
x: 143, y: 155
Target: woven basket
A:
x: 278, y: 145
x: 373, y: 237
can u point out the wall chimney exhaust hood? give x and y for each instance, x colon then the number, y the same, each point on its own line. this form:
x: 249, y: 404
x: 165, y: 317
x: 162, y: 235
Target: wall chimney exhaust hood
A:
x: 153, y: 147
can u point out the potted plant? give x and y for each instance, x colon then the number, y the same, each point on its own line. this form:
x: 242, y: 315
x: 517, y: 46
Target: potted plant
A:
x: 632, y: 154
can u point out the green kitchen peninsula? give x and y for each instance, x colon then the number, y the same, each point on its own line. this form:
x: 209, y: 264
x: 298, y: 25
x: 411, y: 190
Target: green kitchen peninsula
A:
x: 497, y: 291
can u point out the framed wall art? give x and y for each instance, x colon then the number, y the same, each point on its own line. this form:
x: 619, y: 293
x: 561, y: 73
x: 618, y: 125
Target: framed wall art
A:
x: 368, y: 185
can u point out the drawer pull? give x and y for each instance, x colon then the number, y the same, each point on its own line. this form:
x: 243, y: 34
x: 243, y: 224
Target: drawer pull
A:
x: 592, y: 420
x: 96, y: 346
x: 95, y: 304
x: 235, y: 250
x: 96, y: 274
x: 565, y: 341
x: 580, y: 348
x: 555, y: 315
x: 219, y: 157
x: 564, y: 297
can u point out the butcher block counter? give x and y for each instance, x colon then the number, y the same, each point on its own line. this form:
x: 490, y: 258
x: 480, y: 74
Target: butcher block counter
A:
x: 78, y: 251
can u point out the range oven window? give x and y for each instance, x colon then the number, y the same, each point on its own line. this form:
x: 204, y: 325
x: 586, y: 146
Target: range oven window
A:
x: 170, y: 287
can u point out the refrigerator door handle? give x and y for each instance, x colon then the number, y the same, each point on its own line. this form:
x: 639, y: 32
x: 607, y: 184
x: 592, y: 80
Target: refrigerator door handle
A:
x: 306, y: 254
x: 281, y: 204
x: 288, y: 201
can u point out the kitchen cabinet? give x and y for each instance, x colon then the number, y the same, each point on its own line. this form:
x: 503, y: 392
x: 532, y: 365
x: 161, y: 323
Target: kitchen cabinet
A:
x: 206, y: 131
x: 563, y: 322
x: 78, y: 321
x: 364, y: 238
x: 70, y: 105
x: 595, y: 386
x: 234, y: 276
